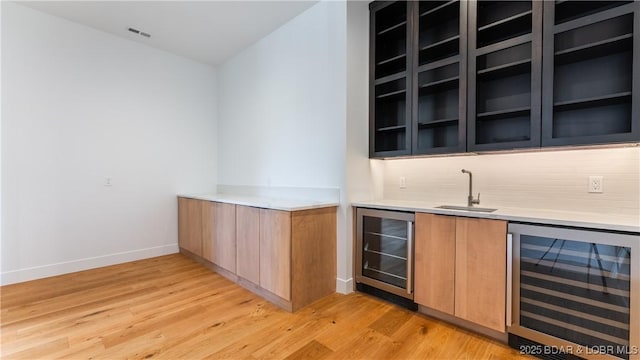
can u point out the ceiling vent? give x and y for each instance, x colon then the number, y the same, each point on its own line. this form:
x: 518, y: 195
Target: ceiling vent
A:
x: 142, y: 33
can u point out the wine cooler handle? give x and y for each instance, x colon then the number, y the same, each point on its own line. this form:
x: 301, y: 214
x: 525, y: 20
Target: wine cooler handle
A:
x: 509, y: 279
x: 409, y: 257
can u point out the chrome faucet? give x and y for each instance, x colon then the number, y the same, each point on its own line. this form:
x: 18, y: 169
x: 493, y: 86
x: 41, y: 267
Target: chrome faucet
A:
x: 470, y: 199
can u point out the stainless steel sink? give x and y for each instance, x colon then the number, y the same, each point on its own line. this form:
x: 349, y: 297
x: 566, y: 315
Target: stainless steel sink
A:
x: 465, y: 208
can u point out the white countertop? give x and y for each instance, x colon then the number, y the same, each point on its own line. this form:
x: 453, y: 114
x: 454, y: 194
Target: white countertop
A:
x: 552, y: 217
x: 262, y: 202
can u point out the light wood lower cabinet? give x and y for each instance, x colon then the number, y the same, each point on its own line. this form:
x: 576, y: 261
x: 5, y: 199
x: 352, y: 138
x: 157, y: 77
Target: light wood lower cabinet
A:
x: 298, y: 254
x: 275, y: 252
x: 248, y: 243
x: 224, y: 236
x: 288, y: 257
x: 190, y: 225
x: 313, y: 255
x: 435, y: 262
x: 208, y: 229
x: 460, y: 268
x: 481, y: 271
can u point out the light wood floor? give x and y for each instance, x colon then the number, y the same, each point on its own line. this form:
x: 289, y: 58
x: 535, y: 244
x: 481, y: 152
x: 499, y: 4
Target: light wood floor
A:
x: 171, y: 307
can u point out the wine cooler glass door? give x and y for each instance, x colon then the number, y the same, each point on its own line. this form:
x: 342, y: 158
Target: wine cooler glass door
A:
x: 578, y: 286
x: 385, y: 249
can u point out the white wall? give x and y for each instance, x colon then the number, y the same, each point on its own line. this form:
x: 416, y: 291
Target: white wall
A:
x: 360, y: 171
x: 282, y: 115
x: 78, y: 106
x: 539, y: 180
x: 282, y: 105
x: 1, y: 7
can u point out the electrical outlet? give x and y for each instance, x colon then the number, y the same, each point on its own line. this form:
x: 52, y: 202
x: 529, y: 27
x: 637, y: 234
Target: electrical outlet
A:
x: 108, y: 181
x: 403, y: 182
x: 596, y: 184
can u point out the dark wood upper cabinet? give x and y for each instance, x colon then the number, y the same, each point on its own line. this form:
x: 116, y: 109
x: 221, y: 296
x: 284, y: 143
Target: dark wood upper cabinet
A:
x: 439, y: 87
x: 456, y: 76
x: 390, y: 79
x: 592, y: 83
x: 505, y: 74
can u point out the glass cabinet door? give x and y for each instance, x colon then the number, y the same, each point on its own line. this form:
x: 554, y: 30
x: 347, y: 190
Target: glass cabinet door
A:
x: 384, y: 250
x: 578, y: 290
x: 384, y: 255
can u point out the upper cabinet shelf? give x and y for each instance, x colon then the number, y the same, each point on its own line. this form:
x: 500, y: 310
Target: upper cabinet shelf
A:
x: 435, y: 6
x: 391, y: 59
x: 512, y: 68
x: 393, y: 27
x: 504, y: 112
x: 568, y: 10
x: 452, y: 81
x: 452, y: 76
x: 594, y: 49
x: 603, y: 100
x: 523, y: 16
x: 439, y: 43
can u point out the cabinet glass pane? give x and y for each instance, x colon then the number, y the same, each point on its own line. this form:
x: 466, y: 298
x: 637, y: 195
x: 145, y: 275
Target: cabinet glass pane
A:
x: 384, y: 255
x: 504, y: 128
x: 592, y: 83
x: 390, y: 134
x: 438, y: 106
x: 571, y: 10
x: 389, y: 227
x: 505, y: 75
x: 439, y: 36
x: 391, y: 39
x: 577, y: 291
x: 390, y: 123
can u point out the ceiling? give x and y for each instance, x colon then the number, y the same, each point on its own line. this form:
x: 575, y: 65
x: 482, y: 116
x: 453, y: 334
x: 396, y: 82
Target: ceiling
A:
x: 206, y: 31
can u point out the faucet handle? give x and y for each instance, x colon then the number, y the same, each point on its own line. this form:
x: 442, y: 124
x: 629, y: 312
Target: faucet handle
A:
x: 476, y: 201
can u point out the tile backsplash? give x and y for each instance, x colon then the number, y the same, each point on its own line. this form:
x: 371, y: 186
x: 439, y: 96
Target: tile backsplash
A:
x: 540, y: 180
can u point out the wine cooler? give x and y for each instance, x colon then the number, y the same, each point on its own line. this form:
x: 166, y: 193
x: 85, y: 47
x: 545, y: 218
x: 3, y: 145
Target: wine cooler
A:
x: 384, y: 251
x: 574, y: 293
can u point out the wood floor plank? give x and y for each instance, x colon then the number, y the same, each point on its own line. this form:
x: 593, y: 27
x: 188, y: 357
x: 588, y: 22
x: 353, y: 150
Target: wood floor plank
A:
x: 171, y: 307
x: 186, y: 339
x: 414, y: 336
x: 37, y: 351
x: 389, y: 323
x: 83, y: 351
x: 350, y: 320
x: 368, y: 344
x: 313, y: 350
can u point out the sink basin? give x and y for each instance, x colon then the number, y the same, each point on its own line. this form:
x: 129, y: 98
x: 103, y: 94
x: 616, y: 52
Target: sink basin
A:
x: 465, y: 208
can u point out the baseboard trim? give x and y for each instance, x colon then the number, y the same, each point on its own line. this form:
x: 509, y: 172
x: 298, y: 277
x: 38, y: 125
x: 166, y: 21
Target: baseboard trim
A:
x: 44, y: 271
x: 344, y: 286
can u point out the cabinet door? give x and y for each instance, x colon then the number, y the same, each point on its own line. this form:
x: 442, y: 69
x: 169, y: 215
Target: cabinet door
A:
x: 439, y: 73
x: 190, y: 225
x: 248, y: 243
x: 481, y: 271
x: 504, y: 74
x: 591, y: 72
x: 224, y: 236
x: 275, y: 252
x: 435, y: 252
x: 208, y: 222
x: 313, y: 255
x: 390, y: 80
